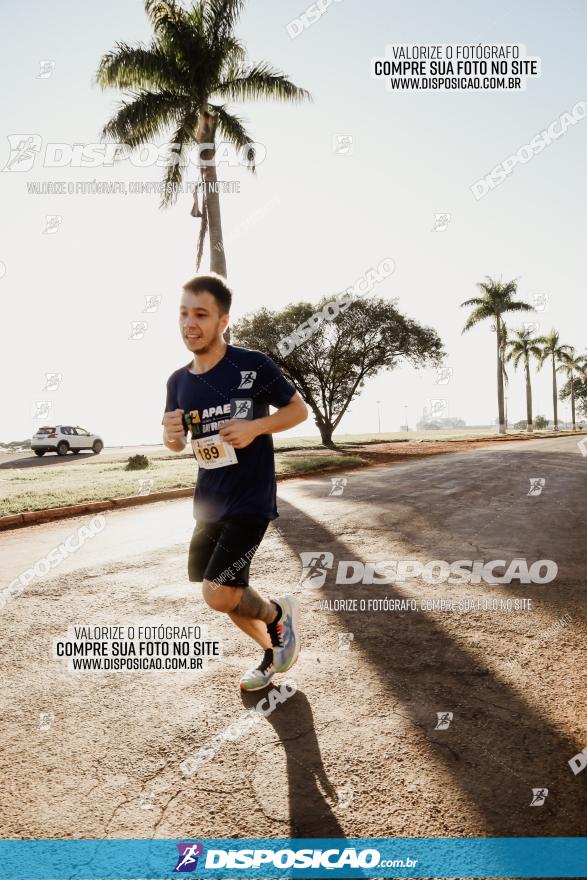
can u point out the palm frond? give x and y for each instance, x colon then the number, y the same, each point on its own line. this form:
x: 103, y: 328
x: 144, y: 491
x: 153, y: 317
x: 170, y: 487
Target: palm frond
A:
x: 135, y: 67
x: 181, y: 34
x: 183, y: 136
x: 220, y: 17
x: 233, y: 130
x: 477, y: 315
x: 259, y: 82
x: 518, y: 306
x: 167, y: 17
x: 234, y: 51
x: 142, y: 117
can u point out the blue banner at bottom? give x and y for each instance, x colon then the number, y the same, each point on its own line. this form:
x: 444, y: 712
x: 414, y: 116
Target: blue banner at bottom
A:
x: 253, y: 859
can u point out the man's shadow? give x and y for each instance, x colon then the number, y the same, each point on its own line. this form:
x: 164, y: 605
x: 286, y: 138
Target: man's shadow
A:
x: 309, y: 789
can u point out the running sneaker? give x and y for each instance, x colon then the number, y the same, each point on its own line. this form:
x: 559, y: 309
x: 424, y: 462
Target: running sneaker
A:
x: 285, y: 632
x: 258, y: 678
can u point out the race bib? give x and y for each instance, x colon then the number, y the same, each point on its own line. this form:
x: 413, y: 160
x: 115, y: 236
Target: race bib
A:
x: 213, y: 452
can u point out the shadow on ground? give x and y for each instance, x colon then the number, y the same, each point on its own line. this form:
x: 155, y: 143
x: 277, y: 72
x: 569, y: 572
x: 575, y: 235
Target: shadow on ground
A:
x: 499, y: 747
x: 308, y: 785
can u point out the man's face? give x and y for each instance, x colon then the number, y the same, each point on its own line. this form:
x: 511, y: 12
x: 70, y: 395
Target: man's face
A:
x: 200, y: 321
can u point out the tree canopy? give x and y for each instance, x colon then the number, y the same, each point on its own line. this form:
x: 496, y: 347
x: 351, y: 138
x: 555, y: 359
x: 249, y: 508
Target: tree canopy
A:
x: 333, y: 363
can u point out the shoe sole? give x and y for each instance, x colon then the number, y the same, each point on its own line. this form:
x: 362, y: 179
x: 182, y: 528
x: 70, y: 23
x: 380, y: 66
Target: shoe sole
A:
x: 261, y: 686
x: 251, y: 690
x: 295, y: 606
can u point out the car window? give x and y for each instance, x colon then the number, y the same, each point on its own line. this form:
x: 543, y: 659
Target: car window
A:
x: 72, y: 431
x: 65, y: 430
x: 46, y: 430
x: 82, y: 432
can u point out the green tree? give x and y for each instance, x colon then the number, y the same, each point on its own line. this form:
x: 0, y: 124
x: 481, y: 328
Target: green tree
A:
x: 496, y: 300
x: 521, y: 347
x: 551, y: 348
x: 575, y: 366
x: 540, y: 423
x: 193, y: 65
x: 337, y: 356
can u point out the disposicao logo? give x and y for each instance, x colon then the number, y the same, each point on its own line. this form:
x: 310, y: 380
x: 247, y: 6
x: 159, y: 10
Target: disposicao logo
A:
x: 331, y: 859
x: 189, y: 854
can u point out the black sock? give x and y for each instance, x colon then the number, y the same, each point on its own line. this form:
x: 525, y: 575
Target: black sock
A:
x: 272, y: 627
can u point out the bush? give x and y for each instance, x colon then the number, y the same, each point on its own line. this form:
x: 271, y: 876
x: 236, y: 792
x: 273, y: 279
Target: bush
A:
x: 540, y: 423
x: 137, y: 463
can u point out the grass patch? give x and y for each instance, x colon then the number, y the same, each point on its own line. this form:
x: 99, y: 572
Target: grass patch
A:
x: 60, y: 485
x: 304, y: 464
x: 38, y: 488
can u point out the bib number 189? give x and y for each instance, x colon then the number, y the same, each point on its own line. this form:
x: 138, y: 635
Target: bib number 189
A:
x: 213, y: 452
x: 209, y: 453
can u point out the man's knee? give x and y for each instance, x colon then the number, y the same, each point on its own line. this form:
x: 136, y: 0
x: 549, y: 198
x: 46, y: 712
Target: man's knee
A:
x: 220, y: 598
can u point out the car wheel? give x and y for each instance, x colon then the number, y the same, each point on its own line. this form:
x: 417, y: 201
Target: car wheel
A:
x: 97, y: 447
x: 39, y: 452
x: 76, y: 451
x: 62, y: 448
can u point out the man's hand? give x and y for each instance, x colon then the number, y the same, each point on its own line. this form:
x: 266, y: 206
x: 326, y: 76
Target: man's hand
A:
x: 173, y: 430
x: 239, y: 432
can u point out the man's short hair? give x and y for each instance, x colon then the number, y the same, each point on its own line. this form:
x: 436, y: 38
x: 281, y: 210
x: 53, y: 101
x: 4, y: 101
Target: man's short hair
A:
x: 215, y: 285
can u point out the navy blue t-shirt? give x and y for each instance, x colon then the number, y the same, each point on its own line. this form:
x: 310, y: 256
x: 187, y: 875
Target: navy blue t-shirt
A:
x: 242, y: 385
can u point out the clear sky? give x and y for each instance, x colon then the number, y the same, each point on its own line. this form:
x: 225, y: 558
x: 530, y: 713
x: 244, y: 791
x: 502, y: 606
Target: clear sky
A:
x: 68, y: 299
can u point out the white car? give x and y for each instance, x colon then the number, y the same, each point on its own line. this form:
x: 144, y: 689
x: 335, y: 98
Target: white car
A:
x: 63, y: 438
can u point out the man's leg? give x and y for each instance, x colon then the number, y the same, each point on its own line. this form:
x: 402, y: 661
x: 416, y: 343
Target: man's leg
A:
x: 245, y: 607
x: 252, y: 614
x: 255, y: 629
x: 224, y: 558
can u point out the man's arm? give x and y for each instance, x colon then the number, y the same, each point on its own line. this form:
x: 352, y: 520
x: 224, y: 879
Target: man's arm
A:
x: 293, y: 413
x: 240, y: 432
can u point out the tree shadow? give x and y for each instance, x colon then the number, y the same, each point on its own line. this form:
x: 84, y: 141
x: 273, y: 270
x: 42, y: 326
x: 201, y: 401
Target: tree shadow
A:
x: 499, y: 746
x: 48, y: 460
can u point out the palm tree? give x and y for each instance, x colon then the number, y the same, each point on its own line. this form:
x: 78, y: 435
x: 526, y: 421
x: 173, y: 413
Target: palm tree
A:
x: 551, y: 347
x: 575, y: 366
x: 522, y: 347
x: 193, y: 64
x: 497, y: 299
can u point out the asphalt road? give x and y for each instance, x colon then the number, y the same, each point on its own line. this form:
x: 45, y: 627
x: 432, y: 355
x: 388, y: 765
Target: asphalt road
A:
x: 357, y: 750
x: 9, y: 460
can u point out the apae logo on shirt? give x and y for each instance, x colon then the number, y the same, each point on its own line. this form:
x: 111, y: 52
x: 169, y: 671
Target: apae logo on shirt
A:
x: 191, y: 422
x: 247, y: 379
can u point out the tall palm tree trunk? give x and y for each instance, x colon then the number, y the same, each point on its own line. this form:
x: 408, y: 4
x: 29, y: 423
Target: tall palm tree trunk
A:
x: 205, y: 135
x: 573, y: 401
x: 500, y: 401
x: 554, y: 393
x: 529, y: 426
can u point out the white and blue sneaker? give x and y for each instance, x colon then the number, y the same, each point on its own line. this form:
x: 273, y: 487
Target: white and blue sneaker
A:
x: 258, y: 678
x: 285, y: 633
x: 285, y: 640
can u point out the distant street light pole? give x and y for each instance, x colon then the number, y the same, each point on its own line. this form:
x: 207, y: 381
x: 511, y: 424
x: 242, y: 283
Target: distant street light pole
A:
x: 378, y: 402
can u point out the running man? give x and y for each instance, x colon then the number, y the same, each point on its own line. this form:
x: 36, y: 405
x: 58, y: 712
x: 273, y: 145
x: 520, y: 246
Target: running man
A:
x: 235, y: 494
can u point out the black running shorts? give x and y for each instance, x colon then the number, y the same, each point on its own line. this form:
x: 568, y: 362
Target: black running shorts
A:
x: 222, y: 551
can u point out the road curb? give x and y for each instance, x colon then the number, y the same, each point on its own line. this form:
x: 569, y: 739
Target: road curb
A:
x: 40, y: 516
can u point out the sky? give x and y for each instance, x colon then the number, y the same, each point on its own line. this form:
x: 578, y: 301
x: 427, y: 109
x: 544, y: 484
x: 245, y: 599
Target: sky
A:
x: 311, y: 221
